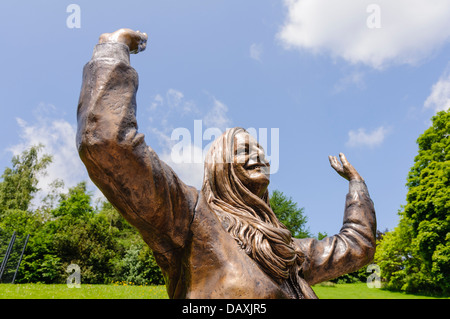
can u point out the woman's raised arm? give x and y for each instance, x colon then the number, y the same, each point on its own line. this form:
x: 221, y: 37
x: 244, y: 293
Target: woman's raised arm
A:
x: 143, y: 188
x: 354, y: 246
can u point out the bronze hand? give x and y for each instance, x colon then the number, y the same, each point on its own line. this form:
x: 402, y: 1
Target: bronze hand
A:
x: 346, y: 170
x: 135, y: 40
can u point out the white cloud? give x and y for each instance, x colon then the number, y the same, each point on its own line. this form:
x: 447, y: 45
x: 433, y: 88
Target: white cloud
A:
x: 58, y: 138
x: 158, y: 100
x: 176, y: 101
x: 409, y: 30
x: 165, y: 111
x: 360, y: 138
x: 190, y: 172
x: 439, y: 99
x: 182, y: 155
x: 256, y: 51
x: 174, y: 98
x: 353, y: 79
x: 217, y: 116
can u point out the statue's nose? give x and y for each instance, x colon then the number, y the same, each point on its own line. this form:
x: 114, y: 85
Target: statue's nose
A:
x: 257, y: 156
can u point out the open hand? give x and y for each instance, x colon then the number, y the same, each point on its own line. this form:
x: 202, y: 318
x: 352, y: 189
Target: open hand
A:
x: 346, y: 170
x: 135, y: 40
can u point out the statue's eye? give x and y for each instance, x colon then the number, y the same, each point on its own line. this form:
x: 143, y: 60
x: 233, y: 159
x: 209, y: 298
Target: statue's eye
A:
x: 243, y: 150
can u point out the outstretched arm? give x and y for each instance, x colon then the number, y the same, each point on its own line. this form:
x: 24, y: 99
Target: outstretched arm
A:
x: 128, y: 172
x: 354, y: 246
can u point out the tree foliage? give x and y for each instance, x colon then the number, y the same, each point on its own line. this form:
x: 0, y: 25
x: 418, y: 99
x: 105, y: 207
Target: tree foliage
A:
x: 288, y: 212
x: 99, y: 241
x: 66, y: 229
x: 19, y: 183
x: 415, y: 256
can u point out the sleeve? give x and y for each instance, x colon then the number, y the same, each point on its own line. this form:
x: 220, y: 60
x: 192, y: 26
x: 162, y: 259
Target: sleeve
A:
x: 143, y: 188
x: 347, y: 251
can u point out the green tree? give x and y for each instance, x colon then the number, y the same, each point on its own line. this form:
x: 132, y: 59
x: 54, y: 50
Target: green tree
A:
x: 428, y: 201
x: 396, y: 257
x: 321, y: 235
x: 139, y: 266
x: 288, y: 212
x: 17, y: 188
x: 19, y: 183
x: 82, y: 237
x: 76, y: 203
x: 135, y: 261
x: 65, y: 228
x: 74, y: 234
x: 419, y: 248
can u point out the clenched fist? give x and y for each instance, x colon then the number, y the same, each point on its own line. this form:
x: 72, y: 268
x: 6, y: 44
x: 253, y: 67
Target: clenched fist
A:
x: 135, y: 40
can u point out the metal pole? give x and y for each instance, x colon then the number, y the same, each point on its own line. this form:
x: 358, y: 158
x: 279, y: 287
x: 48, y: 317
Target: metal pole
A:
x: 20, y: 259
x: 8, y: 252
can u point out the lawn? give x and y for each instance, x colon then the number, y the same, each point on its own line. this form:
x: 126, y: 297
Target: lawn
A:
x: 86, y: 291
x: 361, y: 291
x: 124, y: 291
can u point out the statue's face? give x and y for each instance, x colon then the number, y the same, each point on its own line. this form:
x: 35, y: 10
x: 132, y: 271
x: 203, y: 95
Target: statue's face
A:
x: 250, y: 163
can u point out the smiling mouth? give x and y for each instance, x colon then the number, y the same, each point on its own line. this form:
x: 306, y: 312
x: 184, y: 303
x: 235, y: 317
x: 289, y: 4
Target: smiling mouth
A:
x: 256, y: 166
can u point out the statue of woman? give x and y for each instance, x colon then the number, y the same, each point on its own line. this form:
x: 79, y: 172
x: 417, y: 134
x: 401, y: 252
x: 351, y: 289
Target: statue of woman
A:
x: 223, y: 241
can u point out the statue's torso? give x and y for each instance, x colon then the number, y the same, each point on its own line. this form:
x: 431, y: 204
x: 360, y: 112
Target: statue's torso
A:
x: 216, y: 267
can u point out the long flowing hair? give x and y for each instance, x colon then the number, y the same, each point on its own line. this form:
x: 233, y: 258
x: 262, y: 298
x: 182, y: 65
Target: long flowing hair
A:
x: 248, y: 218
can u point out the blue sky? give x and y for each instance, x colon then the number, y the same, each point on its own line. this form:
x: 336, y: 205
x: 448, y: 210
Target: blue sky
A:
x: 329, y: 77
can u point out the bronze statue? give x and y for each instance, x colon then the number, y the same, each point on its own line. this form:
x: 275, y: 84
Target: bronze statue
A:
x: 223, y: 241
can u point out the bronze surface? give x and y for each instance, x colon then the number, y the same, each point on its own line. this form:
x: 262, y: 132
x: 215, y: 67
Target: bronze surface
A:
x: 222, y: 241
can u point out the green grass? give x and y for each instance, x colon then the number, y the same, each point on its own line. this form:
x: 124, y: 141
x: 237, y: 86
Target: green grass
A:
x: 86, y: 291
x: 124, y: 291
x: 360, y: 291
